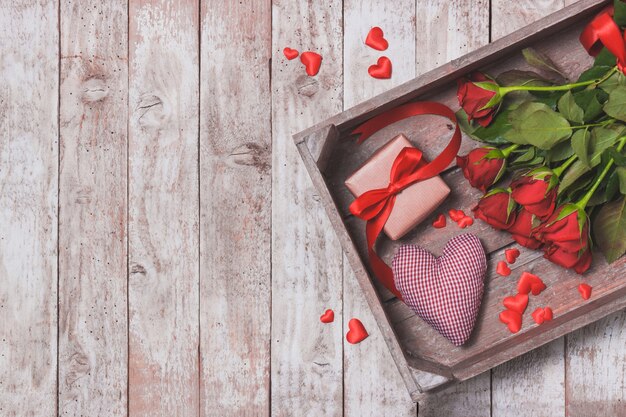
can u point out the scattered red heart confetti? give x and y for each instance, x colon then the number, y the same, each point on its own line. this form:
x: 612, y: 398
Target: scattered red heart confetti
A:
x: 440, y: 222
x: 456, y: 215
x: 503, y: 269
x: 357, y: 332
x: 530, y: 283
x: 290, y: 53
x: 312, y: 62
x: 542, y: 314
x: 511, y: 255
x: 516, y: 303
x: 585, y: 291
x: 328, y: 316
x: 465, y: 222
x: 512, y: 319
x: 382, y: 69
x: 375, y: 39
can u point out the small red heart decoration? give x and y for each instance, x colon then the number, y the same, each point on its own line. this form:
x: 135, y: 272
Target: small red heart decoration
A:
x: 382, y: 69
x: 290, y: 53
x: 445, y: 292
x: 440, y: 222
x: 512, y: 319
x: 530, y: 283
x: 516, y: 303
x: 465, y: 222
x: 375, y: 39
x: 456, y: 215
x: 356, y: 332
x: 328, y: 316
x: 542, y: 314
x: 585, y: 291
x: 511, y: 255
x: 503, y: 269
x: 312, y: 62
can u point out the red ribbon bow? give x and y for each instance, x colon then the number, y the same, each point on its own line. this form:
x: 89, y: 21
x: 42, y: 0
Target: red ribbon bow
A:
x: 409, y: 167
x: 602, y: 31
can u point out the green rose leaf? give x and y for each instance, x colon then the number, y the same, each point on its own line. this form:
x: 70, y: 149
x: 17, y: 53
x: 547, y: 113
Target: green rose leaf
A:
x: 603, y: 138
x: 560, y: 152
x: 517, y: 77
x: 568, y: 108
x: 573, y: 173
x: 590, y: 102
x: 609, y: 229
x: 537, y: 124
x: 596, y: 73
x: 604, y: 59
x: 614, y: 81
x: 541, y: 61
x: 580, y: 144
x: 621, y: 175
x: 616, y: 104
x: 492, y: 134
x: 619, y: 13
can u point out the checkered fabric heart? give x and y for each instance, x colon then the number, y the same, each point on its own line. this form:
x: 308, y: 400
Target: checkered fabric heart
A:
x: 445, y: 292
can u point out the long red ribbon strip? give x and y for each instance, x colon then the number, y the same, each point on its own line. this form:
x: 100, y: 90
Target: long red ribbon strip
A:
x: 375, y: 206
x: 603, y: 31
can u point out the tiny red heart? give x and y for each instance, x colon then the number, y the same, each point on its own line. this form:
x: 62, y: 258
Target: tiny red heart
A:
x: 511, y: 255
x: 312, y: 62
x: 512, y: 319
x: 456, y: 215
x: 375, y: 39
x: 356, y: 332
x: 541, y: 315
x: 530, y: 283
x: 465, y: 222
x: 328, y: 316
x: 290, y: 53
x: 585, y: 291
x: 382, y: 69
x: 440, y: 222
x: 503, y: 269
x: 516, y: 303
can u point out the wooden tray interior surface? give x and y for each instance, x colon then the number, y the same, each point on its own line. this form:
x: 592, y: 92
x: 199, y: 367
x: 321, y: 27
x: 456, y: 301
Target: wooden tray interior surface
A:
x: 491, y: 342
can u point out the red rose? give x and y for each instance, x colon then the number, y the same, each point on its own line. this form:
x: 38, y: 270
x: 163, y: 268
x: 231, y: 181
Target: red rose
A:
x: 567, y: 228
x: 496, y: 208
x: 476, y: 96
x: 521, y: 230
x: 579, y: 261
x: 536, y: 192
x: 483, y: 167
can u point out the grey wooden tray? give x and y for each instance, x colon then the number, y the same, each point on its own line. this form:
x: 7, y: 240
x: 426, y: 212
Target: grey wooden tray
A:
x: 426, y: 361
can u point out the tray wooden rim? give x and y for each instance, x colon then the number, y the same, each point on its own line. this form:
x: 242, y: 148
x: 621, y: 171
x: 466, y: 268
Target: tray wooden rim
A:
x: 315, y: 142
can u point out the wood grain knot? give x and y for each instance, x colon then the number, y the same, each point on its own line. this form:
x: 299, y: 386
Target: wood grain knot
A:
x: 307, y: 86
x: 94, y: 89
x: 250, y: 154
x: 137, y: 269
x: 83, y: 196
x: 151, y: 111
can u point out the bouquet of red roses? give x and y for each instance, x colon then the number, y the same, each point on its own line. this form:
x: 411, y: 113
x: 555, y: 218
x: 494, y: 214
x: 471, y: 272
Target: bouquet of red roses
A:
x: 561, y: 144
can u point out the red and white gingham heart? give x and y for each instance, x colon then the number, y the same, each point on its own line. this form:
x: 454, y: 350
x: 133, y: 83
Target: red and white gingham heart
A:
x: 445, y: 292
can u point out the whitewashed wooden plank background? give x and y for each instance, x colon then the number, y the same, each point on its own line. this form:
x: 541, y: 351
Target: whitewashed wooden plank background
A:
x: 162, y: 250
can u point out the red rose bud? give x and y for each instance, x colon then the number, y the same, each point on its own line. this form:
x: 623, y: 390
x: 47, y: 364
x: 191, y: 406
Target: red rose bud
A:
x: 496, y: 208
x: 536, y: 192
x: 479, y: 96
x: 567, y: 228
x: 482, y: 167
x: 522, y: 230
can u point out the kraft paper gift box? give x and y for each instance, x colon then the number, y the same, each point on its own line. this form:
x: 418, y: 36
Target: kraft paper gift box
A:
x: 413, y: 204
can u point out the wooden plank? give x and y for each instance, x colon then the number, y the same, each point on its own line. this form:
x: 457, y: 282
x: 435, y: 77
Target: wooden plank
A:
x: 29, y: 68
x: 372, y: 384
x: 306, y: 370
x: 470, y: 398
x: 163, y: 208
x: 446, y: 30
x: 595, y: 378
x: 92, y: 202
x: 235, y: 179
x: 538, y: 374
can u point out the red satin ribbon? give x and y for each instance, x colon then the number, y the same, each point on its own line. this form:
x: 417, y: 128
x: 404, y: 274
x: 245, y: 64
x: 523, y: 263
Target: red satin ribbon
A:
x: 602, y: 31
x: 375, y: 206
